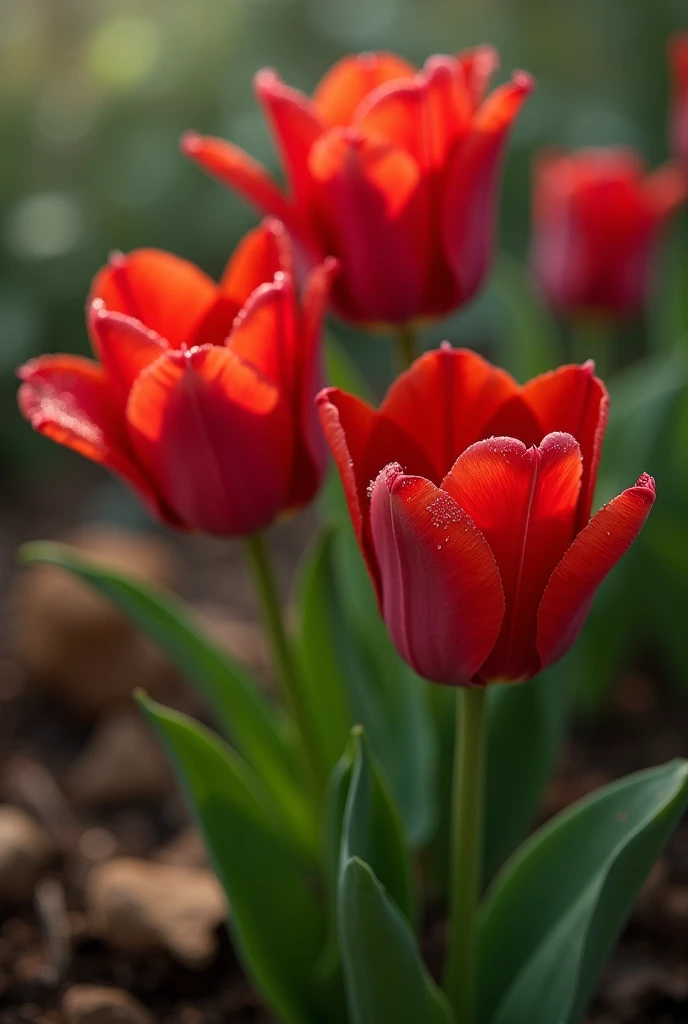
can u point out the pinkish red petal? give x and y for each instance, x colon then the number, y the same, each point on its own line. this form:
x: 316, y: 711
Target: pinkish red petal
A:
x: 351, y: 79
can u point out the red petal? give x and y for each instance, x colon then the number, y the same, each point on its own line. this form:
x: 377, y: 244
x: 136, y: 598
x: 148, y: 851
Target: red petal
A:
x: 454, y: 394
x: 265, y: 333
x: 362, y: 442
x: 666, y: 189
x: 478, y: 66
x: 573, y: 400
x: 311, y: 452
x: 216, y: 437
x: 237, y: 170
x: 351, y: 79
x: 595, y: 551
x: 442, y: 598
x: 295, y: 126
x: 470, y: 199
x: 126, y: 347
x: 524, y: 502
x: 370, y: 207
x: 166, y: 294
x: 70, y: 400
x: 261, y: 254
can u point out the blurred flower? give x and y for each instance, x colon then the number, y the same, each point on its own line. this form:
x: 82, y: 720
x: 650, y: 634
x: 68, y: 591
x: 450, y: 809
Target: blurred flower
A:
x: 678, y: 61
x: 471, y: 498
x: 202, y: 398
x: 597, y: 220
x: 393, y: 171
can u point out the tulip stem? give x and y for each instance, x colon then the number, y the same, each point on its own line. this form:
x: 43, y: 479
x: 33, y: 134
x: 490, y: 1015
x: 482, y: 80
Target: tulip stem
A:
x: 407, y: 344
x: 282, y: 653
x: 466, y: 851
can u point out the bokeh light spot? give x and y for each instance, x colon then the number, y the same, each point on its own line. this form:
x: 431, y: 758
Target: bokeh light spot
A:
x: 45, y: 225
x: 124, y: 52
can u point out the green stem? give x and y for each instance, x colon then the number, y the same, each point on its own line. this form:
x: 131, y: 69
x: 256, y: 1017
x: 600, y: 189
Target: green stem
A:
x: 466, y: 851
x: 407, y: 344
x: 282, y: 653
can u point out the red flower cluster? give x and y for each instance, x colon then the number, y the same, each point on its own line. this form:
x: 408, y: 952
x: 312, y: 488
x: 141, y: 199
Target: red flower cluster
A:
x: 392, y: 170
x: 203, y: 395
x: 597, y: 220
x: 480, y: 548
x: 678, y: 60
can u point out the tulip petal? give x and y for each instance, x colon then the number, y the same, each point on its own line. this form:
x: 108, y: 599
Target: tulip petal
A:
x: 295, y: 126
x: 471, y: 185
x: 126, y: 347
x: 311, y: 458
x: 524, y: 501
x: 261, y: 254
x: 479, y: 64
x: 167, y: 294
x: 366, y: 190
x: 573, y: 400
x: 454, y: 393
x: 217, y: 438
x: 595, y: 551
x: 236, y: 169
x: 70, y: 400
x: 351, y: 79
x: 442, y: 598
x: 264, y: 333
x: 666, y: 189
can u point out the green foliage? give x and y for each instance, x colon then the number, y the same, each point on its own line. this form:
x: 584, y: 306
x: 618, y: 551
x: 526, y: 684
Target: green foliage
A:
x: 555, y: 911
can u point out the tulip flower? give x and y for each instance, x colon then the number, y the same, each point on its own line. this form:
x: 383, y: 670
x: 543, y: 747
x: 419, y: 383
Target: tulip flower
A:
x: 202, y: 395
x: 678, y: 60
x: 598, y: 218
x: 392, y: 170
x: 470, y: 497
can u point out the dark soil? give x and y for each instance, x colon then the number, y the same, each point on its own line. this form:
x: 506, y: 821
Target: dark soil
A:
x: 646, y: 981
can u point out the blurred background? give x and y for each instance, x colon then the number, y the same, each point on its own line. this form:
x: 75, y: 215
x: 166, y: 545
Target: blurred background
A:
x: 94, y: 95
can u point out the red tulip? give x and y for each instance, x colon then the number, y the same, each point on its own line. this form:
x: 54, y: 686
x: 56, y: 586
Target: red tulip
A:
x: 678, y: 60
x: 202, y: 398
x: 597, y: 221
x: 471, y: 497
x: 392, y: 170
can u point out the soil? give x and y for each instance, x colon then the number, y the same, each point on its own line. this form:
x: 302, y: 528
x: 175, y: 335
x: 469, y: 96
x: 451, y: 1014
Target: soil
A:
x: 646, y: 981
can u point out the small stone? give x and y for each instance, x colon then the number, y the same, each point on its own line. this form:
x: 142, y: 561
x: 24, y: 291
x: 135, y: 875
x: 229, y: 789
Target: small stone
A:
x: 25, y: 849
x: 90, y: 1004
x: 139, y: 906
x: 186, y: 849
x: 72, y: 642
x: 122, y: 762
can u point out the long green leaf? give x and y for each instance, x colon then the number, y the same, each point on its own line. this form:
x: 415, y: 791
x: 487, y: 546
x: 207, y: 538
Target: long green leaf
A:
x: 386, y: 980
x: 276, y: 918
x: 242, y: 713
x: 557, y: 908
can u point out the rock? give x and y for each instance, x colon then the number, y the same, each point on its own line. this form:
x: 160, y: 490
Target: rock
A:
x: 71, y: 642
x: 90, y: 1004
x: 122, y: 762
x: 186, y: 849
x: 25, y: 849
x: 138, y: 906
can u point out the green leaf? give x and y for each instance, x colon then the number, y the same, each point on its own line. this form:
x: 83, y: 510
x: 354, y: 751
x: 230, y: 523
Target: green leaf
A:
x: 342, y: 370
x: 372, y: 829
x: 525, y: 724
x: 241, y: 711
x: 354, y: 675
x: 386, y: 980
x: 276, y: 919
x: 556, y: 910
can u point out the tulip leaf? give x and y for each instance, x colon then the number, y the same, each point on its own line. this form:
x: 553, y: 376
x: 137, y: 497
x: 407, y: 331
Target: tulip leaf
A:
x: 554, y: 913
x: 342, y: 371
x: 371, y: 826
x: 276, y: 919
x: 529, y: 343
x: 241, y: 711
x: 525, y: 723
x: 385, y: 979
x: 354, y: 675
